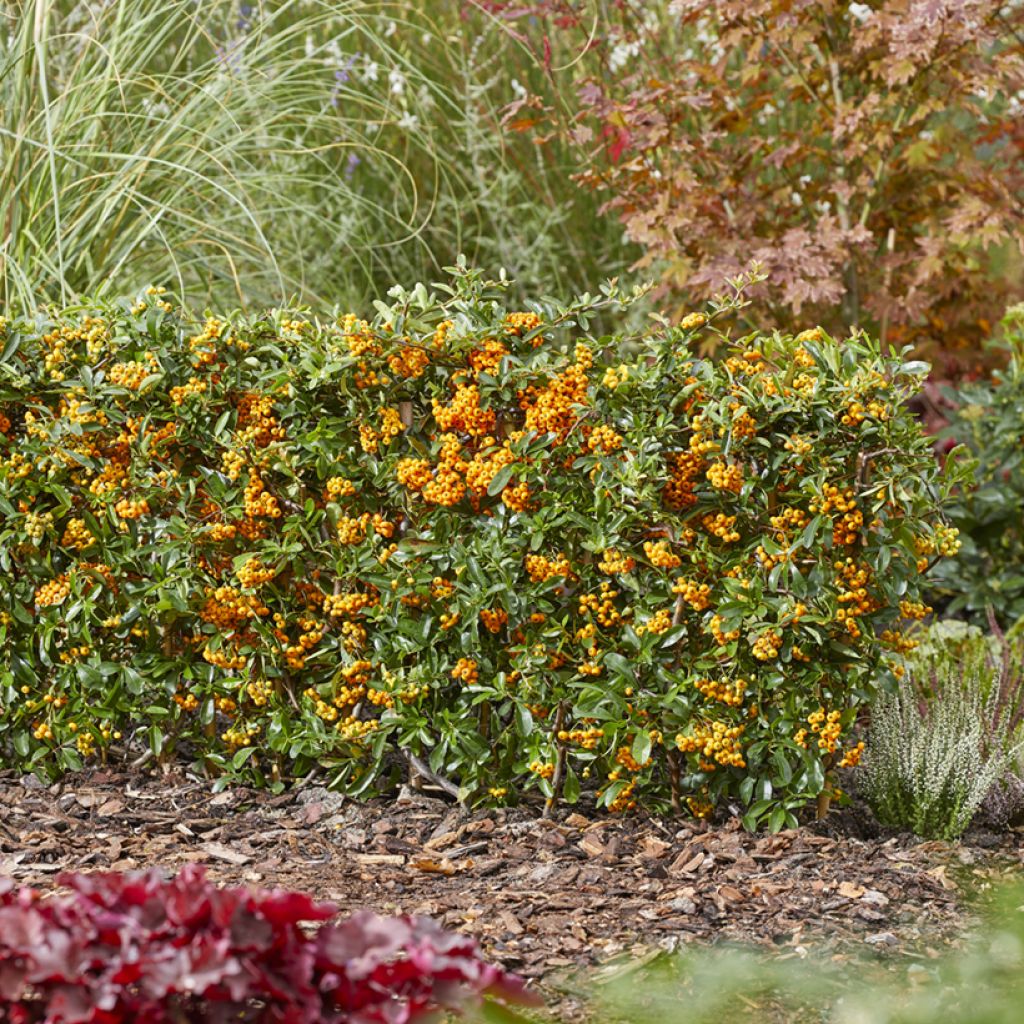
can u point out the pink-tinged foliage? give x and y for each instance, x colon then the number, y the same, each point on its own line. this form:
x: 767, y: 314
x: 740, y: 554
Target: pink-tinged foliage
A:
x: 867, y: 154
x: 140, y: 949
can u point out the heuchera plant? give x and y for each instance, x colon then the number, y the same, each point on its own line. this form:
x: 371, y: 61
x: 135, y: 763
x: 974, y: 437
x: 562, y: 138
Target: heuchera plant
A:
x: 140, y: 949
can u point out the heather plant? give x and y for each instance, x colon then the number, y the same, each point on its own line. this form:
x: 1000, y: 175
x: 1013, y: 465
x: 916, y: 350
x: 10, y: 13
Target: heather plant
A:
x: 988, y: 418
x: 267, y: 152
x: 932, y: 760
x: 953, y: 657
x: 866, y: 154
x: 476, y: 540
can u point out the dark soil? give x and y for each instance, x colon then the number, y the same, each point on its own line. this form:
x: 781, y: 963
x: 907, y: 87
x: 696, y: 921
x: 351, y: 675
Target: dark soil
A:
x: 543, y: 898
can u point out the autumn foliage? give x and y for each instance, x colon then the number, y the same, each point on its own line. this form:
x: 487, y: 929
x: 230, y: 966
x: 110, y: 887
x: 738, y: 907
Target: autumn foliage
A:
x: 539, y: 562
x: 140, y: 949
x: 867, y: 154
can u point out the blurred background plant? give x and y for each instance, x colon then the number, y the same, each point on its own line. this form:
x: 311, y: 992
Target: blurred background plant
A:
x: 945, y: 748
x: 868, y: 154
x: 256, y: 152
x: 979, y: 984
x: 988, y: 417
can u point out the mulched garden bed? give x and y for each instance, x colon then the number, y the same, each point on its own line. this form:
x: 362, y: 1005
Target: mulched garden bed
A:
x: 544, y: 898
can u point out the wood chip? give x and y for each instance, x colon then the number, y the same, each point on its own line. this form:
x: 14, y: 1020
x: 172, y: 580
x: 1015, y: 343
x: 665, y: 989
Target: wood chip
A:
x: 221, y: 852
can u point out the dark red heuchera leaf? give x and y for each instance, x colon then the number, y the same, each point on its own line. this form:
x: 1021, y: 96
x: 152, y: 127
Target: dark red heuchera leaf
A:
x: 143, y: 949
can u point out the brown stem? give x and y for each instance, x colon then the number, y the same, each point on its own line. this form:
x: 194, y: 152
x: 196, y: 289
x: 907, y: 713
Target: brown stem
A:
x: 423, y: 770
x: 823, y: 803
x: 673, y: 781
x: 824, y: 800
x: 559, y: 776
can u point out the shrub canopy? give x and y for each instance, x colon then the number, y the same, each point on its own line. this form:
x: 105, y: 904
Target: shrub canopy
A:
x: 532, y: 558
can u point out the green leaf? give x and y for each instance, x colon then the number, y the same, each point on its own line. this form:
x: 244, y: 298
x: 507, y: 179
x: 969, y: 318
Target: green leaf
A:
x: 500, y: 480
x: 642, y: 745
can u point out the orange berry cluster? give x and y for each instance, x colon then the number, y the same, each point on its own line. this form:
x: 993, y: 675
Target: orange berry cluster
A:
x: 659, y: 555
x: 721, y: 638
x: 742, y: 426
x: 601, y: 605
x: 494, y: 619
x: 766, y: 646
x: 128, y: 508
x: 915, y: 609
x: 346, y: 605
x: 338, y: 487
x: 798, y: 446
x: 787, y: 522
x: 721, y: 526
x: 463, y: 414
x: 828, y: 728
x: 254, y: 573
x: 53, y: 592
x: 660, y: 622
x: 684, y: 469
x: 852, y: 757
x: 604, y: 439
x: 586, y: 738
x: 613, y: 562
x: 539, y: 568
x: 77, y: 535
x: 697, y: 596
x: 409, y: 361
x: 467, y: 670
x: 852, y: 579
x: 183, y: 392
x: 131, y: 375
x: 726, y: 476
x: 723, y: 691
x: 487, y: 358
x: 552, y: 409
x: 716, y: 742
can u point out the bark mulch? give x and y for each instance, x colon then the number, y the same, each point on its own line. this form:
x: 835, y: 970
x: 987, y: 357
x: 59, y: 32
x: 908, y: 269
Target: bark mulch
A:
x: 543, y: 898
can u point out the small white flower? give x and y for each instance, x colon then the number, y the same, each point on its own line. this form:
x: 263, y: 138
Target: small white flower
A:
x: 408, y: 121
x: 622, y: 53
x: 396, y: 81
x: 518, y: 89
x: 860, y: 11
x: 371, y: 71
x: 390, y: 30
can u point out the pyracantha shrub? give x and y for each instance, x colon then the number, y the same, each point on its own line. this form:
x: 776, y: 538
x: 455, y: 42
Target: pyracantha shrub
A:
x: 140, y: 949
x: 529, y: 558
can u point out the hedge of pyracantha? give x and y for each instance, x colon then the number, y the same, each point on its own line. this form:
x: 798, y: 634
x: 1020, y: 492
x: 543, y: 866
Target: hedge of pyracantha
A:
x: 530, y: 559
x: 141, y: 949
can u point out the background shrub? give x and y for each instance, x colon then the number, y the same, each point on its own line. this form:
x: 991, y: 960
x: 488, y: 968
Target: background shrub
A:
x: 867, y: 154
x: 988, y: 418
x: 478, y: 537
